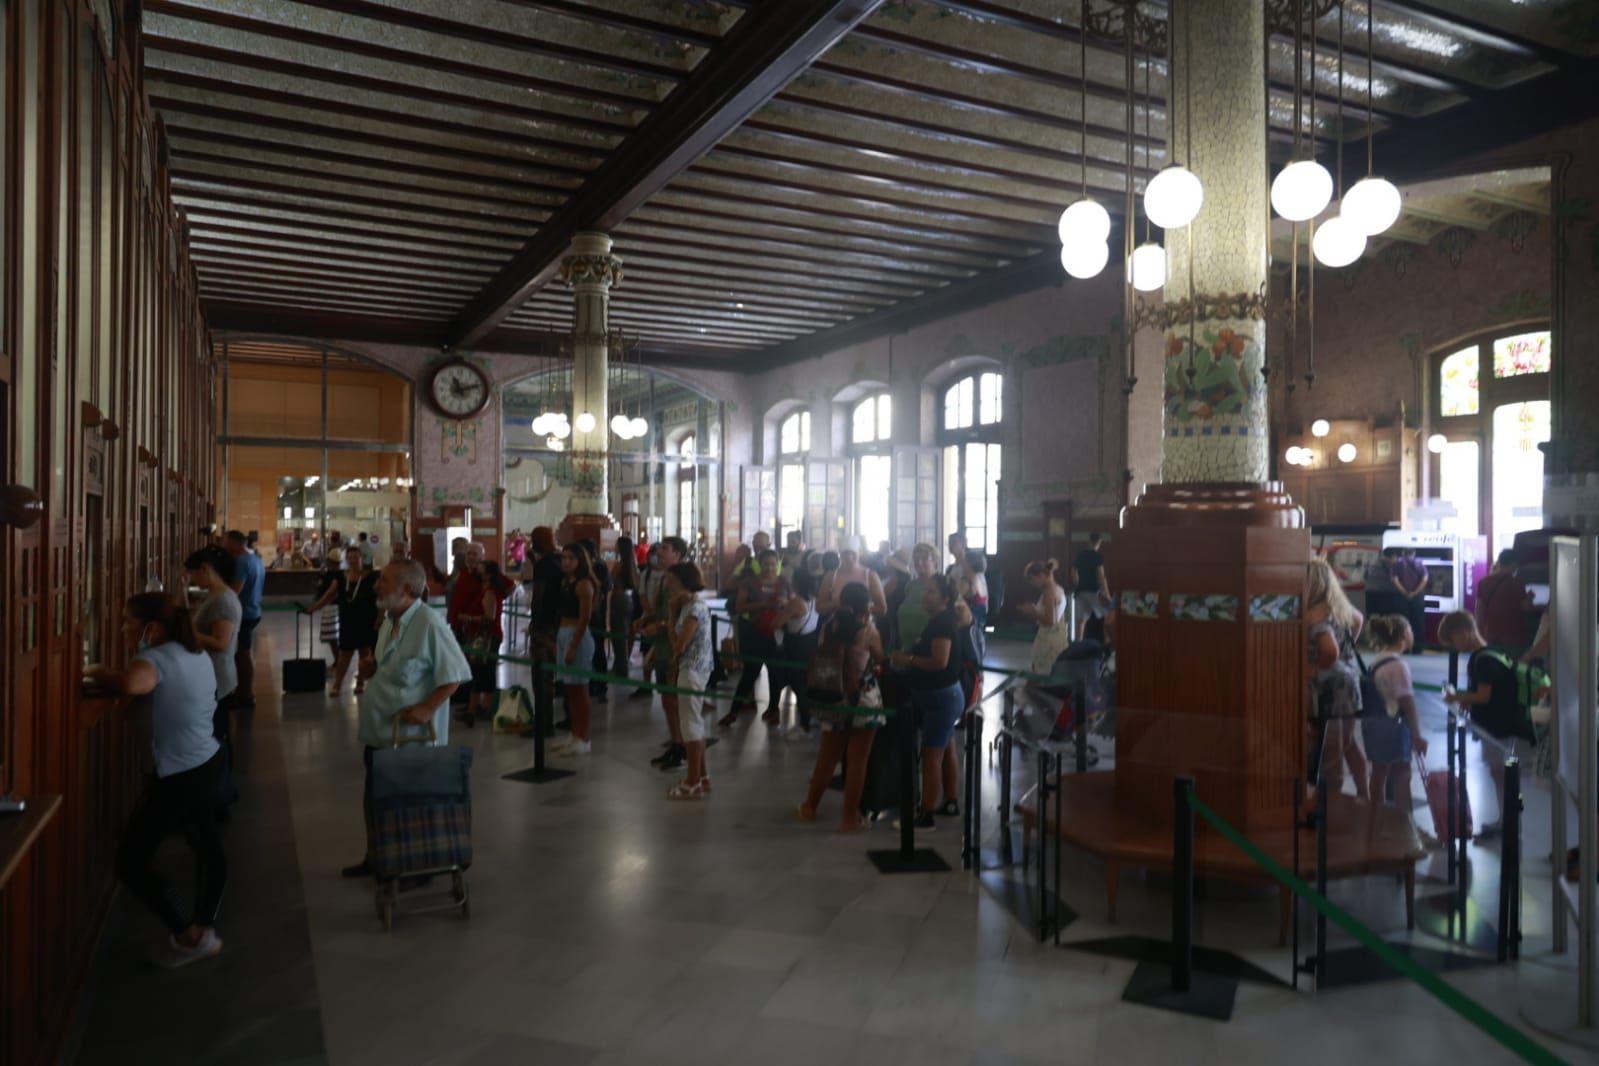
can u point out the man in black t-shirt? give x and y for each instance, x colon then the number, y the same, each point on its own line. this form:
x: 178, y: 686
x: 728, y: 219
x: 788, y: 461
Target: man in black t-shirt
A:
x: 1090, y: 589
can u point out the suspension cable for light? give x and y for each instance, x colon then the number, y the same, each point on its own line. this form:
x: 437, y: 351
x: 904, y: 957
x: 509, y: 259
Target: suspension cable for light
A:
x: 1174, y: 196
x: 1338, y: 241
x: 1303, y: 189
x: 1146, y: 265
x: 1084, y: 226
x: 1373, y: 203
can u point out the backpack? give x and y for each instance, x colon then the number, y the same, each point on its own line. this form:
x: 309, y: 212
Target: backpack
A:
x: 1531, y: 682
x: 1372, y: 702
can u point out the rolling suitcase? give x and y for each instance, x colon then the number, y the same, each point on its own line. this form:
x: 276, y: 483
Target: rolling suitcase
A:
x: 420, y: 820
x: 304, y: 675
x: 1436, y: 783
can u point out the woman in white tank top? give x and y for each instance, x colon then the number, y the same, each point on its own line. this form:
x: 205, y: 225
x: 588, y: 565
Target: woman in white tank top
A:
x: 1049, y: 612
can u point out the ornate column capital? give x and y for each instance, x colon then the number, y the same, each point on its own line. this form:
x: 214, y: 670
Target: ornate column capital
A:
x: 591, y: 269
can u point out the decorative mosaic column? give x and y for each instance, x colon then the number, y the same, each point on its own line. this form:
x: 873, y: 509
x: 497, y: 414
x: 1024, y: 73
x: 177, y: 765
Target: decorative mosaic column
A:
x: 1216, y: 426
x: 591, y: 270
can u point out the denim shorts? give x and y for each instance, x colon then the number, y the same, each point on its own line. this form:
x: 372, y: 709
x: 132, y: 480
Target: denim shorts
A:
x: 584, y: 660
x: 939, y: 709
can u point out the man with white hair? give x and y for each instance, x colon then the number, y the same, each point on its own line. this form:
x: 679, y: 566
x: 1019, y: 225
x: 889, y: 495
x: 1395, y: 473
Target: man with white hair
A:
x: 417, y: 667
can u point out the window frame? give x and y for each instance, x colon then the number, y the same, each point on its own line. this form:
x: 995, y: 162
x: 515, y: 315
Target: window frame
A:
x: 960, y: 437
x: 880, y: 445
x: 1492, y: 394
x: 792, y: 460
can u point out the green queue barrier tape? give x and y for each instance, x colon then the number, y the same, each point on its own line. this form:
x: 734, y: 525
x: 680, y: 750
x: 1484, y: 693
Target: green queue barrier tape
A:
x: 1506, y: 1034
x: 677, y: 690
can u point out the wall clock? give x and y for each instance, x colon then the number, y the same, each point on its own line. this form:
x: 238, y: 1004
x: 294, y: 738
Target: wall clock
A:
x: 458, y: 389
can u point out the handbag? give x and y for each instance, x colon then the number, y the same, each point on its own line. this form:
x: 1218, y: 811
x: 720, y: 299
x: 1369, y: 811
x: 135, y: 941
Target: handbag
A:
x: 1436, y: 783
x: 514, y: 713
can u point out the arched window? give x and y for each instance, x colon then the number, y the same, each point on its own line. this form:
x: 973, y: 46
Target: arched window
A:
x: 793, y: 445
x: 1492, y: 399
x: 970, y: 435
x: 685, y: 488
x: 871, y: 447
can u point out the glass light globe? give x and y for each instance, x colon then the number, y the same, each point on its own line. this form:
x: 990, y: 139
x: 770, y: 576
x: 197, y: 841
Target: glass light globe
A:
x: 1301, y: 190
x: 1146, y: 267
x: 1173, y: 197
x: 541, y: 426
x: 560, y: 429
x: 1437, y: 443
x: 640, y: 426
x: 1338, y: 243
x: 622, y: 426
x: 1295, y: 455
x: 585, y: 422
x: 1086, y: 259
x: 1084, y: 222
x: 1320, y: 428
x: 1346, y: 453
x: 1371, y: 205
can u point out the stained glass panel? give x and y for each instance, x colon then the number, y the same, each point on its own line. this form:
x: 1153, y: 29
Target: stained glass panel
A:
x: 1525, y: 353
x: 1458, y: 392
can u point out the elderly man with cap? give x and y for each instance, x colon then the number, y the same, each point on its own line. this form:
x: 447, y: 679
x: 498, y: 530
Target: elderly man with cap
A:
x: 416, y: 668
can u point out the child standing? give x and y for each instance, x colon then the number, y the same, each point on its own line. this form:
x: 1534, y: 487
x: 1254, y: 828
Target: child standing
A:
x: 1493, y: 700
x: 1333, y: 626
x: 1393, y: 735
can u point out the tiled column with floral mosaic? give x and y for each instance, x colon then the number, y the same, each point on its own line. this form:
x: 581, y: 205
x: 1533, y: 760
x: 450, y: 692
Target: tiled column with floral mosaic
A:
x: 591, y: 270
x: 1215, y: 398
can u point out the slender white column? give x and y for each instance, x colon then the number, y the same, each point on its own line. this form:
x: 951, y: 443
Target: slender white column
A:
x: 591, y: 270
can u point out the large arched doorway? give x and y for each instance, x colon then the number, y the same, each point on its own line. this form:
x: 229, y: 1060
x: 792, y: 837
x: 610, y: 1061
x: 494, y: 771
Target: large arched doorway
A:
x: 315, y: 449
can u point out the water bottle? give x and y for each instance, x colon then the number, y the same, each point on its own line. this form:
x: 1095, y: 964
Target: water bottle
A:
x: 154, y: 584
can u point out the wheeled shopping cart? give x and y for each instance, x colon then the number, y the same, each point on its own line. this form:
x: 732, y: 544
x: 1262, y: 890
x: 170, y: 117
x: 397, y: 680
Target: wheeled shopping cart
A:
x: 420, y: 822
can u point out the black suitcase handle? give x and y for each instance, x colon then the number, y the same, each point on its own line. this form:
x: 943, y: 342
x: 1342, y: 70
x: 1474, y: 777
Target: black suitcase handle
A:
x: 303, y: 609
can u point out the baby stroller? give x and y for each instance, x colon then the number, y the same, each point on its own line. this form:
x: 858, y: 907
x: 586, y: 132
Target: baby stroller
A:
x: 1078, y: 689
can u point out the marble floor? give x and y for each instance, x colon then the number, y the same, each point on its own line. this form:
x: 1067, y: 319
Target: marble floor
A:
x: 610, y: 926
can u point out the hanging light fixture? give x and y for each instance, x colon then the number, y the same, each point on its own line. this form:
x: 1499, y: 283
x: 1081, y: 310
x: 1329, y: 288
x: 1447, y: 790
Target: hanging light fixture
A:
x: 1303, y: 189
x: 1084, y: 226
x: 585, y: 422
x: 622, y: 426
x: 1372, y: 204
x: 1146, y: 267
x: 1320, y: 428
x: 1347, y: 452
x: 1437, y: 443
x: 1173, y: 197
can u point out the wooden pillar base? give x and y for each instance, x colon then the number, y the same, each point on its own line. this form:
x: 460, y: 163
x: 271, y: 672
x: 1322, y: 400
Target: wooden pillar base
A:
x: 596, y: 527
x: 1210, y: 651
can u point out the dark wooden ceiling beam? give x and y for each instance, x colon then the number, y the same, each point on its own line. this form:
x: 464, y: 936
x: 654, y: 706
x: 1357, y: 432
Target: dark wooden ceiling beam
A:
x: 266, y: 259
x: 301, y: 295
x: 799, y: 253
x: 460, y: 256
x: 186, y: 192
x: 173, y: 105
x: 622, y: 21
x: 219, y: 236
x: 268, y: 64
x: 420, y: 21
x: 762, y: 53
x: 334, y: 105
x: 686, y: 303
x: 245, y: 317
x: 244, y: 25
x: 329, y: 306
x: 1035, y: 273
x: 311, y: 274
x: 1443, y: 17
x: 459, y: 240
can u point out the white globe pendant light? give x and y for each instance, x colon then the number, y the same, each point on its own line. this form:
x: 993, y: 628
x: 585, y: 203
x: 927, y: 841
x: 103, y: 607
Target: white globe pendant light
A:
x: 1301, y: 190
x: 1084, y: 222
x: 622, y: 426
x: 541, y: 426
x: 585, y: 422
x: 1338, y: 243
x: 560, y: 428
x: 1173, y: 197
x: 1146, y: 267
x: 640, y: 427
x: 1085, y: 259
x: 1371, y: 205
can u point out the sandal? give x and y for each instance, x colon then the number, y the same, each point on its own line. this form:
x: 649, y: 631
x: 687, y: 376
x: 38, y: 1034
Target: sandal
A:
x: 803, y: 813
x: 729, y: 720
x: 685, y: 791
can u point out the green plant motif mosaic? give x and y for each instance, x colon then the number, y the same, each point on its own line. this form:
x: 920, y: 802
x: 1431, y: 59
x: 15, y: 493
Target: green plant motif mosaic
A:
x: 1214, y: 607
x: 1211, y: 377
x: 1140, y: 604
x: 1275, y: 608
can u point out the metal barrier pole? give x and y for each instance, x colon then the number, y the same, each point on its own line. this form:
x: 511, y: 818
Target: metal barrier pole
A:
x: 973, y: 791
x: 907, y: 788
x: 1060, y: 845
x: 1080, y: 726
x: 1299, y: 826
x: 1321, y: 877
x: 1042, y: 808
x: 1451, y: 816
x: 1182, y: 900
x: 1007, y: 852
x: 1510, y: 864
x: 1457, y: 783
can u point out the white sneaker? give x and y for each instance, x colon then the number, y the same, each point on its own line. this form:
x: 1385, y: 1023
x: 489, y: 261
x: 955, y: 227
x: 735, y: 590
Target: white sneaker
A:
x: 575, y: 749
x: 174, y: 955
x: 558, y: 747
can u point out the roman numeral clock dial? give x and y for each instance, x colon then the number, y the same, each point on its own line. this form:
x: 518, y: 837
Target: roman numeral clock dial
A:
x: 458, y: 389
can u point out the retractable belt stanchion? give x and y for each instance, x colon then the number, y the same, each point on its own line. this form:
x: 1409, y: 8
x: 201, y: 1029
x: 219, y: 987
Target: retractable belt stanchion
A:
x: 1509, y: 946
x: 1007, y: 851
x: 543, y: 729
x: 972, y: 796
x: 1176, y: 985
x: 907, y: 858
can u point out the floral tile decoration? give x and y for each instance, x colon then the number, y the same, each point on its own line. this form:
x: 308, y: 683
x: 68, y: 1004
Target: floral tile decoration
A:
x: 1140, y: 604
x: 1276, y: 608
x: 1212, y: 608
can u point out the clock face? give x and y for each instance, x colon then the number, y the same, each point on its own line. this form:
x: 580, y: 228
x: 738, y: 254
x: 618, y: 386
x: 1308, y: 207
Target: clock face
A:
x: 460, y: 390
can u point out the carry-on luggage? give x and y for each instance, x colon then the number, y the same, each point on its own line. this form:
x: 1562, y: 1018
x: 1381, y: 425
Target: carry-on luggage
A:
x: 1436, y: 783
x: 420, y: 821
x: 304, y: 675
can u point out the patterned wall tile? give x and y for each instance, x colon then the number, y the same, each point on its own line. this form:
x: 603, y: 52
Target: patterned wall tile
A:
x: 1140, y: 604
x: 1274, y: 608
x: 1212, y: 608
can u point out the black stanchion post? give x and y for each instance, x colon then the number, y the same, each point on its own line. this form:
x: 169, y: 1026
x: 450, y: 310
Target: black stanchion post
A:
x: 1510, y: 861
x: 1080, y: 725
x: 1007, y: 852
x: 1176, y: 985
x: 1057, y: 919
x: 1298, y: 785
x: 1451, y: 815
x: 971, y: 795
x: 1321, y: 878
x: 1457, y: 784
x: 1513, y: 835
x: 1182, y: 899
x: 907, y: 858
x: 543, y: 727
x: 1042, y: 809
